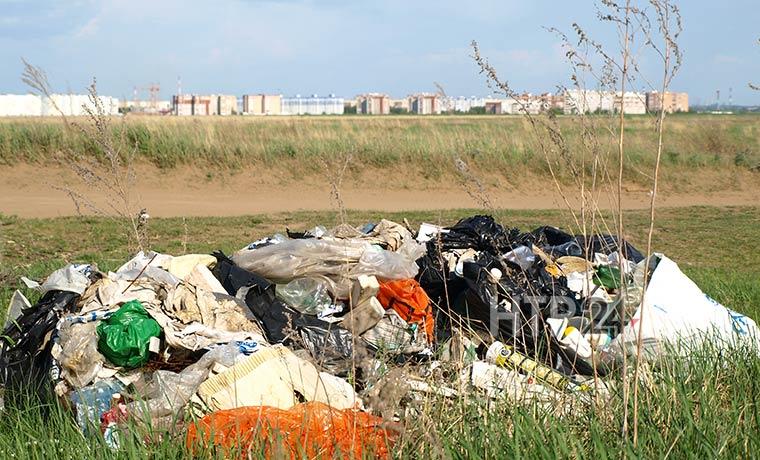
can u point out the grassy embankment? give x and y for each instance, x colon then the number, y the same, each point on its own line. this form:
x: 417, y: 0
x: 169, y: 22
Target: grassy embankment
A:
x: 421, y: 147
x: 709, y: 409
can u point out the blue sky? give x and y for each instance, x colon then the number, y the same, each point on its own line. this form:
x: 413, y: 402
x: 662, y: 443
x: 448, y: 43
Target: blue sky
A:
x: 345, y: 47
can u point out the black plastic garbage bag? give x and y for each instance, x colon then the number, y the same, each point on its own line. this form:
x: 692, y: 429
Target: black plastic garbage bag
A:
x: 26, y: 364
x: 547, y: 236
x: 481, y: 233
x: 514, y: 308
x: 259, y: 295
x: 608, y: 244
x: 559, y: 243
x: 330, y: 345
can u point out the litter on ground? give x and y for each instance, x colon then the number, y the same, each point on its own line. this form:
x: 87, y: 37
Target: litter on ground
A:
x: 295, y: 336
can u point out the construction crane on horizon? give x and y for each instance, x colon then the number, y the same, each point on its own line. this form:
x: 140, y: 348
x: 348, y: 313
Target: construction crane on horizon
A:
x: 153, y: 90
x: 441, y: 93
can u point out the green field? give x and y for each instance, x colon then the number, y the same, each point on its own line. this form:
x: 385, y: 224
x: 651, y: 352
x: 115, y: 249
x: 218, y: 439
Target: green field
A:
x: 709, y: 408
x: 421, y: 147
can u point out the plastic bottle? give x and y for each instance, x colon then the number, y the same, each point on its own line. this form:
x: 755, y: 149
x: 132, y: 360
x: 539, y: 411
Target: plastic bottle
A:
x: 506, y: 356
x: 574, y: 340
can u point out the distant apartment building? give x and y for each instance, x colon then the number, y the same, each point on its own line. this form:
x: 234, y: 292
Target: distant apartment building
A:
x: 668, y: 101
x: 77, y: 105
x: 530, y: 104
x: 399, y: 105
x: 313, y: 105
x: 349, y: 106
x: 424, y: 104
x: 204, y: 105
x: 463, y: 104
x: 551, y: 101
x: 262, y: 104
x: 192, y: 104
x: 20, y: 105
x: 373, y: 104
x: 182, y: 105
x: 70, y: 105
x: 145, y: 107
x: 590, y: 101
x: 225, y: 105
x: 497, y: 106
x: 633, y: 103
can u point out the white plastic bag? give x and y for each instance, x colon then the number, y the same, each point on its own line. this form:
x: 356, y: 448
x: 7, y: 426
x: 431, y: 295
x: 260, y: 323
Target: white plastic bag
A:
x: 677, y: 314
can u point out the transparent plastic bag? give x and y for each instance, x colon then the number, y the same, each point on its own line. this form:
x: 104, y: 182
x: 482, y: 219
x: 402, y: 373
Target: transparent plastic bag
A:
x: 338, y: 261
x: 169, y: 391
x: 385, y: 264
x: 307, y: 295
x: 292, y: 259
x: 79, y: 357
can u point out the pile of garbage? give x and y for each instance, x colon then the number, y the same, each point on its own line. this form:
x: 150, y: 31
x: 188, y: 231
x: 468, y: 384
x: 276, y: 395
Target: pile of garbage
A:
x: 303, y: 334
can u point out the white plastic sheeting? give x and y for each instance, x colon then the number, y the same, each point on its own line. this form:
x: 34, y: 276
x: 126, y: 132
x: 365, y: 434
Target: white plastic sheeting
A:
x: 677, y: 315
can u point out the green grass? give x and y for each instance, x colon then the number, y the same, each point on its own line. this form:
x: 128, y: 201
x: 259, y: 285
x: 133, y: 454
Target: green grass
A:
x: 708, y: 408
x: 503, y: 146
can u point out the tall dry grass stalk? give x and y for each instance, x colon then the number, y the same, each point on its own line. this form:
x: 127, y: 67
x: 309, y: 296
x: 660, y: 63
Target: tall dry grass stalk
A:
x: 334, y: 166
x: 665, y: 44
x: 604, y: 146
x: 106, y: 172
x: 752, y: 85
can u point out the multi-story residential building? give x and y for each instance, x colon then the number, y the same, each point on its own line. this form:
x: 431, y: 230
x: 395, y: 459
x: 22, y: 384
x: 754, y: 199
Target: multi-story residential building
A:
x: 20, y: 105
x: 194, y: 104
x: 262, y: 104
x: 182, y: 105
x: 70, y: 105
x: 668, y: 101
x: 203, y: 105
x: 313, y: 105
x: 373, y: 104
x: 225, y: 105
x: 461, y: 104
x: 590, y: 101
x: 145, y: 107
x: 632, y: 102
x: 401, y: 105
x: 424, y: 104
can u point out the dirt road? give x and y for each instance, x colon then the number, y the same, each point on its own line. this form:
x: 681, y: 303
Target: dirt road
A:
x: 28, y: 191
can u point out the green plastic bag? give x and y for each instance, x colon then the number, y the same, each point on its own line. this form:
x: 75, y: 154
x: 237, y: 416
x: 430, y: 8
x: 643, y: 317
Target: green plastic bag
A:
x: 607, y: 277
x: 124, y: 337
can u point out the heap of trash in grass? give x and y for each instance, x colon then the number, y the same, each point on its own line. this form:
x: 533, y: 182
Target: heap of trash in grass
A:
x: 328, y: 338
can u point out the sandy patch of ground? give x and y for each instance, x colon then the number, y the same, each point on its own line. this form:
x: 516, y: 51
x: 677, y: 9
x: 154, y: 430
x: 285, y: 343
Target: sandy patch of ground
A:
x: 30, y: 191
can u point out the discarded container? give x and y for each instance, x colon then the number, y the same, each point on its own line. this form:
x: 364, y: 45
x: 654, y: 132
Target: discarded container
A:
x: 574, y: 340
x: 364, y: 287
x: 92, y: 402
x: 506, y: 356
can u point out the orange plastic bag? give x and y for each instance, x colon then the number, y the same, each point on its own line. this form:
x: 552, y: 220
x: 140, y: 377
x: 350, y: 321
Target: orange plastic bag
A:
x: 410, y: 301
x: 311, y: 429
